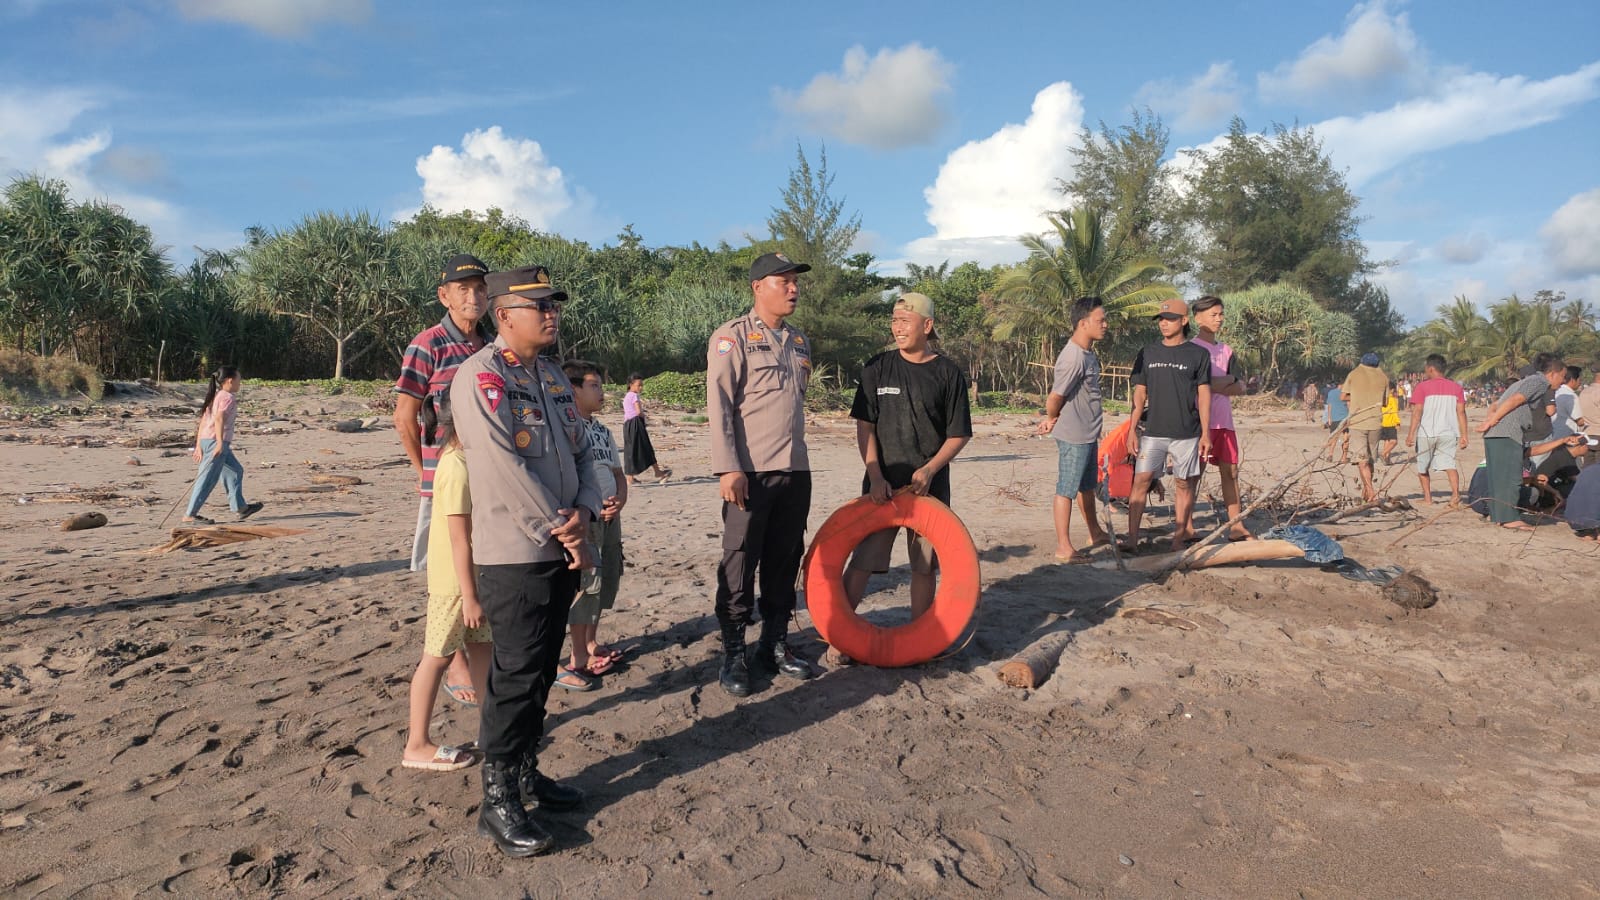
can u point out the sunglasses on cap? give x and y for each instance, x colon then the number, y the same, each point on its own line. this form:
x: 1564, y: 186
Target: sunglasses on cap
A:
x: 544, y: 305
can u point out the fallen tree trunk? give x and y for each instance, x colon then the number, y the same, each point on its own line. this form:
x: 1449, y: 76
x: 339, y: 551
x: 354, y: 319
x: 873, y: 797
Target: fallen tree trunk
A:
x: 1214, y: 555
x: 1032, y: 667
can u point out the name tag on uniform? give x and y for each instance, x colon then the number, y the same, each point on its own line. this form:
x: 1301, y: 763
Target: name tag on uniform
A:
x: 892, y: 391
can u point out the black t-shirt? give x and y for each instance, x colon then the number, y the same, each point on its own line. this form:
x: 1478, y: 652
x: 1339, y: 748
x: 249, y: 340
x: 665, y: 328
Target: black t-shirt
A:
x: 916, y: 408
x: 1172, y: 377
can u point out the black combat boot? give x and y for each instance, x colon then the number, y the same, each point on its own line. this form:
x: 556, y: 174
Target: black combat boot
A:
x: 503, y: 819
x: 735, y: 677
x: 773, y: 657
x: 547, y: 792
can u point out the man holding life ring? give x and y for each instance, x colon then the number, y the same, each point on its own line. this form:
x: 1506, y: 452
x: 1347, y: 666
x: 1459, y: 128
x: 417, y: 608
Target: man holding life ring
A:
x: 912, y: 418
x: 757, y: 369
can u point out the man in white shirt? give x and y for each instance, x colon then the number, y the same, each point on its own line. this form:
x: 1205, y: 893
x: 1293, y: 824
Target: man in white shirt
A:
x: 1568, y: 419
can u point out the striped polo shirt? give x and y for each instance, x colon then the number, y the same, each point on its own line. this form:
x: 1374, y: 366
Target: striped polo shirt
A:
x: 430, y: 362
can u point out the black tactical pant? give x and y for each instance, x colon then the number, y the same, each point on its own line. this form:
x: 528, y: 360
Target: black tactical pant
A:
x: 526, y: 605
x: 768, y: 535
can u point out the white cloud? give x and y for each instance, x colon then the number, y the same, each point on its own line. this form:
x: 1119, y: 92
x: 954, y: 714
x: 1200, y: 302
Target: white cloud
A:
x: 37, y: 136
x: 1208, y: 99
x: 1572, y: 235
x: 1463, y: 249
x: 990, y: 191
x: 279, y: 18
x: 493, y: 170
x: 886, y: 101
x: 1467, y: 108
x: 1375, y: 48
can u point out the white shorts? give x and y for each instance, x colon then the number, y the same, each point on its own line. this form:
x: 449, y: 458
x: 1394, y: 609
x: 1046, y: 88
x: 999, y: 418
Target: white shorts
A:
x: 1153, y: 453
x: 1436, y: 454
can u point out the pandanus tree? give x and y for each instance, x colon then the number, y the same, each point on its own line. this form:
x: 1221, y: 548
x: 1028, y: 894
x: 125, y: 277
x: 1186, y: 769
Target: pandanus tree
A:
x: 339, y: 275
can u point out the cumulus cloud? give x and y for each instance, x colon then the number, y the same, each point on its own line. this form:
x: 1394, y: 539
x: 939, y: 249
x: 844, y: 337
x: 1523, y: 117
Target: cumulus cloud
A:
x: 990, y: 191
x: 1572, y: 236
x: 1376, y: 48
x: 1466, y: 108
x: 1204, y: 101
x: 494, y: 170
x: 279, y: 18
x: 886, y: 101
x: 1463, y: 249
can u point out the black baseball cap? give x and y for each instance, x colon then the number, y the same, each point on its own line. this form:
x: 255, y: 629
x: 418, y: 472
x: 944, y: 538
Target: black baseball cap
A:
x: 532, y: 282
x: 774, y: 264
x: 461, y: 267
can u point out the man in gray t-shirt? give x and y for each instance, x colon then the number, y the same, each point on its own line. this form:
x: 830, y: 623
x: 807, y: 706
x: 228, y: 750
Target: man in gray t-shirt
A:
x: 1505, y: 432
x: 1072, y: 415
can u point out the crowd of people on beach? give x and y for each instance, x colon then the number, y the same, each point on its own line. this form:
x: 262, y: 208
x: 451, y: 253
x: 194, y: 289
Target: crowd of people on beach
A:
x: 521, y: 487
x: 522, y: 490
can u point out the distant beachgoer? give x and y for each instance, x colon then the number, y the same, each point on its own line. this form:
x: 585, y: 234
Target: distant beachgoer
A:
x: 455, y: 616
x: 638, y: 453
x: 1334, y: 412
x: 1438, y: 428
x: 1389, y: 428
x: 1310, y: 396
x: 213, y: 450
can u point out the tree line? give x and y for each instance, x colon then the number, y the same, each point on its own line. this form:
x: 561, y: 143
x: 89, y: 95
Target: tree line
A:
x: 1264, y: 220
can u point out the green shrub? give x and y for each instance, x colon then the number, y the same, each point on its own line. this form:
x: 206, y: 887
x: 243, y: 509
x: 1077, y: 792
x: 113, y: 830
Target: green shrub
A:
x: 1009, y: 401
x: 685, y: 389
x: 51, y: 377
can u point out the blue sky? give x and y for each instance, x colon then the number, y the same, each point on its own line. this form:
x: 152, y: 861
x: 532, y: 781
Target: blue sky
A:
x: 1469, y: 129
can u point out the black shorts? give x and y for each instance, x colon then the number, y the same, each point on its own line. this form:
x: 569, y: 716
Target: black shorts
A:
x: 1389, y: 433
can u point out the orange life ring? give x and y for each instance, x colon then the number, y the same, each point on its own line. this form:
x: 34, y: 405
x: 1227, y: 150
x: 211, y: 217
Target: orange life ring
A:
x: 927, y: 635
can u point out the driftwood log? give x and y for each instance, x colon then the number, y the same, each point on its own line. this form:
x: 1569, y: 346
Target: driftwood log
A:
x: 1032, y: 667
x: 1214, y: 555
x: 337, y: 480
x: 84, y: 521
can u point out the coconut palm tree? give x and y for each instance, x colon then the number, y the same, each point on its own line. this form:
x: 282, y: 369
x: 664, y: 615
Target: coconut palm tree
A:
x: 1454, y: 333
x: 1513, y: 334
x: 1035, y: 299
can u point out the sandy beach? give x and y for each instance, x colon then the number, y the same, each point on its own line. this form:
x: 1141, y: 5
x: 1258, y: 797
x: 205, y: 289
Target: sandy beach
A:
x: 229, y: 721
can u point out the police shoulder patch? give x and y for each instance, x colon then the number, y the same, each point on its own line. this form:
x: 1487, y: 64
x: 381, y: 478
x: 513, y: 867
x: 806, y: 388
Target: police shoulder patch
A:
x: 724, y: 347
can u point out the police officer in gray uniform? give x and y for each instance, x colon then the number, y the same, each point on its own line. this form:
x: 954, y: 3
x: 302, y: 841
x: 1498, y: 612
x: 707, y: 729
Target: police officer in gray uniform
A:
x: 533, y: 495
x: 757, y: 368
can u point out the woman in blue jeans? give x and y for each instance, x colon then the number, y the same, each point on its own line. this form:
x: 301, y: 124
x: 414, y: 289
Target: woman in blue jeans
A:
x: 213, y: 449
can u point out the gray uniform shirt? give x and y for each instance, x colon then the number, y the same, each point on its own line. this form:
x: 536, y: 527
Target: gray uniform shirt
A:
x: 756, y: 381
x: 527, y: 454
x: 1077, y: 379
x: 1518, y: 424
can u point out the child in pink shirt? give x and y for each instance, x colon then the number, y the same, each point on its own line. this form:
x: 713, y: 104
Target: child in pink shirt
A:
x: 213, y: 449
